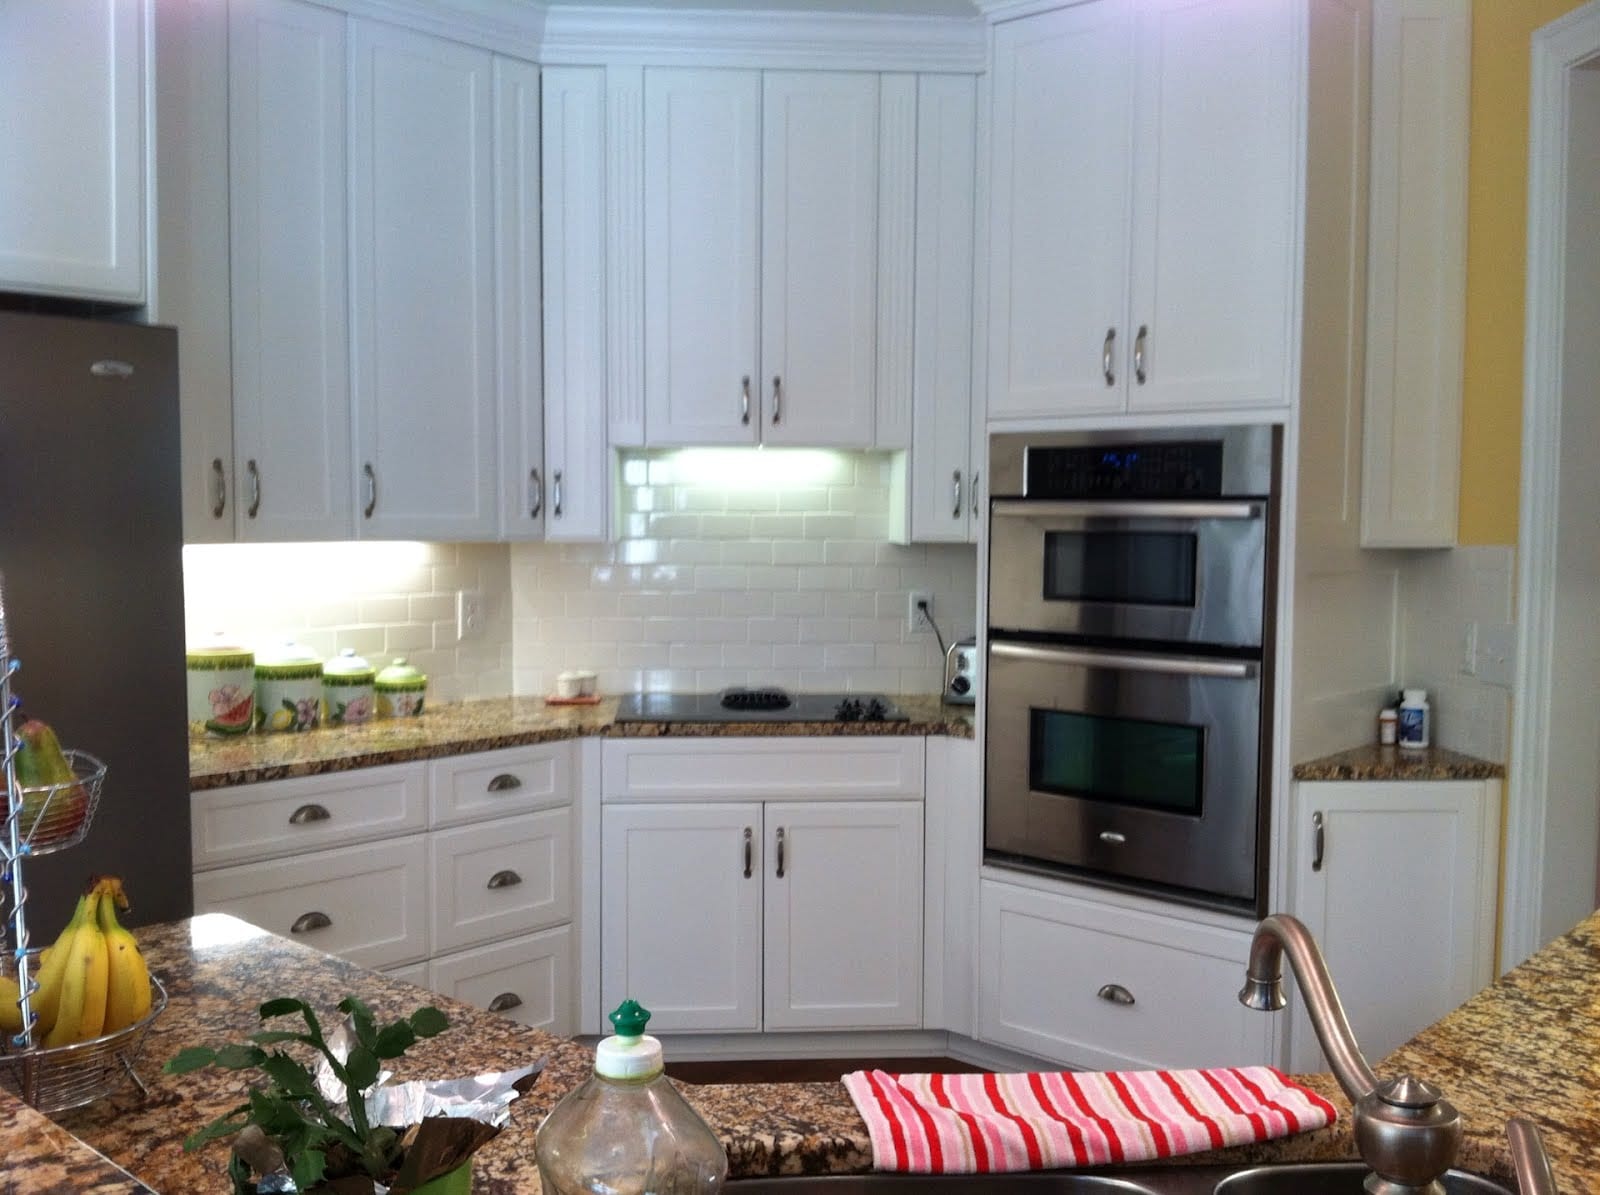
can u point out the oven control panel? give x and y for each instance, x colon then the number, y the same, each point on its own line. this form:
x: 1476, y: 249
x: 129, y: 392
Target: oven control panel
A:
x: 1153, y: 469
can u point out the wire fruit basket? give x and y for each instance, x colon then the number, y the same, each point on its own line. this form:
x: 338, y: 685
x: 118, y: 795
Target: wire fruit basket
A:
x: 55, y: 1078
x: 57, y: 816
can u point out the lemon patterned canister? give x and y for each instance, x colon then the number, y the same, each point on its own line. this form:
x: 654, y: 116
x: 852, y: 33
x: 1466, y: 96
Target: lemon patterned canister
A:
x: 401, y: 689
x: 288, y: 688
x: 222, y: 687
x: 347, y: 689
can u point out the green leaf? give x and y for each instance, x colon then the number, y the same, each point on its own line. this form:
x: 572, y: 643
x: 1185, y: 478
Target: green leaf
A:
x: 352, y: 1005
x: 238, y: 1058
x: 429, y: 1022
x: 193, y: 1058
x: 394, y: 1040
x: 282, y: 1007
x: 361, y: 1068
x: 290, y: 1076
x: 269, y: 1037
x: 223, y: 1126
x: 275, y: 1114
x: 308, y: 1169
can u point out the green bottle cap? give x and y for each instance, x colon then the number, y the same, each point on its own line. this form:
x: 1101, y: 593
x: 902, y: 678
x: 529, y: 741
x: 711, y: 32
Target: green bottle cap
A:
x: 630, y: 1018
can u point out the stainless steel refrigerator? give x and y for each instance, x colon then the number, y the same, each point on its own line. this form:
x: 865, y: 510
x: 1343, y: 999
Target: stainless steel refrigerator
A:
x: 91, y: 548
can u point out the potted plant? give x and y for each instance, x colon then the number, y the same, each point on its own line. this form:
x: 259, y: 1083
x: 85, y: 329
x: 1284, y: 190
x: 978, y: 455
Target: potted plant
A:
x: 290, y: 1123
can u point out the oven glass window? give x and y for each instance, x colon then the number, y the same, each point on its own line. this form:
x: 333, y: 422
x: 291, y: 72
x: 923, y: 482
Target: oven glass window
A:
x: 1126, y: 761
x: 1146, y: 568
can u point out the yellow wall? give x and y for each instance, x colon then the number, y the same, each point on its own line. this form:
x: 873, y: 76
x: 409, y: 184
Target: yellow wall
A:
x: 1497, y: 250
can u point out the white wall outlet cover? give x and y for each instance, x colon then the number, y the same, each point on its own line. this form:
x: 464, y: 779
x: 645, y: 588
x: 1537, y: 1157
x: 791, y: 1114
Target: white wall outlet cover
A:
x: 469, y: 614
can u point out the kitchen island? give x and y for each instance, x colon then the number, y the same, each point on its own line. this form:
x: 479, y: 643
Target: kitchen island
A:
x: 1527, y: 1045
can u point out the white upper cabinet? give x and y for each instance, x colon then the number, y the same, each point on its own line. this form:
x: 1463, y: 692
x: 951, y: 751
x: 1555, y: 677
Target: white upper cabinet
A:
x: 760, y: 257
x: 819, y: 257
x: 422, y: 301
x: 702, y: 245
x: 72, y: 200
x: 1144, y: 223
x: 291, y: 378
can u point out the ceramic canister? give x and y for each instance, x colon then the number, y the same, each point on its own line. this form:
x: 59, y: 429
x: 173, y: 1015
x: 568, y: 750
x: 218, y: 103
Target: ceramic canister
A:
x: 347, y: 689
x: 222, y: 687
x: 401, y: 690
x: 288, y: 688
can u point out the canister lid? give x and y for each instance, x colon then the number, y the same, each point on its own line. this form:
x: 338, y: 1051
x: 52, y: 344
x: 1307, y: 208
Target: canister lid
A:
x: 347, y: 668
x: 401, y: 677
x: 288, y: 661
x: 217, y: 654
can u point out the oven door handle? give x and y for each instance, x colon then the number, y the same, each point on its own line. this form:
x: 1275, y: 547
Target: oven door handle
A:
x: 1130, y: 510
x: 1128, y: 661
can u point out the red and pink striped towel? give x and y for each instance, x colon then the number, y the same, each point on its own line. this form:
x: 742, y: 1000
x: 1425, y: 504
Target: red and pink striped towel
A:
x: 958, y: 1124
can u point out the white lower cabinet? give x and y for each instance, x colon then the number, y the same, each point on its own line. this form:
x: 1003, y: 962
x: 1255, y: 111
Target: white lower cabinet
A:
x: 501, y: 878
x: 367, y: 904
x: 1397, y: 882
x: 1100, y: 987
x: 528, y: 980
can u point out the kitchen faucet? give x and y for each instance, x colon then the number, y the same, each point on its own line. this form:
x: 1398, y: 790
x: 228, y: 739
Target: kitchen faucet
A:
x: 1406, y: 1133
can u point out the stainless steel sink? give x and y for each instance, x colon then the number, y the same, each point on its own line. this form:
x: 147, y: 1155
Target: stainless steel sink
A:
x: 1327, y: 1178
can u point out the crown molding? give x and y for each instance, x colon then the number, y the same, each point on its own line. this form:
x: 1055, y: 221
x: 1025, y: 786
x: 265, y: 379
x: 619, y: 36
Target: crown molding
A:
x: 1006, y: 10
x: 576, y: 35
x: 514, y: 27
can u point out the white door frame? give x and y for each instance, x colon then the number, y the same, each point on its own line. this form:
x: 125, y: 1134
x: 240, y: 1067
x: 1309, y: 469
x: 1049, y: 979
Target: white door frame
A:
x: 1534, y: 804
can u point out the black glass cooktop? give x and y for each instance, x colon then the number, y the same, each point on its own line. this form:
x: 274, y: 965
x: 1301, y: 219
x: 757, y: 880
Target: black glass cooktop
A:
x: 758, y: 705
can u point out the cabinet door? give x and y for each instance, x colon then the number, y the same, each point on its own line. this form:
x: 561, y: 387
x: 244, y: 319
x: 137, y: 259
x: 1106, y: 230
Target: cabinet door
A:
x: 819, y: 257
x: 1215, y: 204
x: 680, y: 916
x: 702, y: 244
x: 572, y: 186
x: 941, y: 394
x: 422, y: 285
x: 1058, y: 225
x: 291, y: 395
x: 1399, y: 890
x: 520, y: 377
x: 72, y: 175
x: 843, y: 915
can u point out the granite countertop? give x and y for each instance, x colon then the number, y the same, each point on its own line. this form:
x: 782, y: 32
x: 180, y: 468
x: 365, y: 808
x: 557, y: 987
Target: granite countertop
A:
x: 1373, y: 762
x: 505, y: 722
x: 1524, y: 1046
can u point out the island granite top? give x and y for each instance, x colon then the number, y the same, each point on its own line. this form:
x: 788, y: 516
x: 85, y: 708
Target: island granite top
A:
x: 1373, y: 762
x: 1525, y: 1046
x: 505, y: 722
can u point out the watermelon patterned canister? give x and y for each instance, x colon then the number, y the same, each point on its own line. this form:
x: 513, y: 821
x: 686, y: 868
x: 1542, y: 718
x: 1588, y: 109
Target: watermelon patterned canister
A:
x: 222, y: 687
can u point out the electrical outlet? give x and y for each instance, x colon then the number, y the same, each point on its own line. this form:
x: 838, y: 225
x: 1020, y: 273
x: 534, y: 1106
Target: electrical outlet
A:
x: 469, y: 614
x: 919, y: 606
x: 1469, y: 649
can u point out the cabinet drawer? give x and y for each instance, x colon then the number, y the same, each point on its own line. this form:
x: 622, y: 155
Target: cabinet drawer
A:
x: 1100, y: 987
x: 414, y: 973
x: 469, y: 788
x: 308, y: 813
x: 503, y: 877
x: 528, y: 979
x: 372, y: 900
x: 738, y: 769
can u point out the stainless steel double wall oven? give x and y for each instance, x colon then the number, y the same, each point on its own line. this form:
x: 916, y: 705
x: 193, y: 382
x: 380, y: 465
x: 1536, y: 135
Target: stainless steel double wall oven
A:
x: 1131, y: 589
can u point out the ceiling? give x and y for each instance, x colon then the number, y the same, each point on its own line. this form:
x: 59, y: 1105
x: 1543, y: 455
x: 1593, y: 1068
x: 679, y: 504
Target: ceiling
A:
x: 933, y: 8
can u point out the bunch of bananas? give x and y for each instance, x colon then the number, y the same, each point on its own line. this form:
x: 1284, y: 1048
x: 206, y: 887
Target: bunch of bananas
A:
x: 93, y: 981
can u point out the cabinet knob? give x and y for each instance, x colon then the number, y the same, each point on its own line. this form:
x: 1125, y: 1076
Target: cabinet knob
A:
x: 307, y: 922
x: 254, y: 474
x: 504, y: 782
x: 219, y: 481
x: 505, y: 1002
x: 504, y: 879
x: 1115, y: 993
x: 307, y: 814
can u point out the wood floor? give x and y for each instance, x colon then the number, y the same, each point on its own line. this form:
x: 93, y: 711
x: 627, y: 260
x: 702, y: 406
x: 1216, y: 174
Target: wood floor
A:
x: 809, y: 1070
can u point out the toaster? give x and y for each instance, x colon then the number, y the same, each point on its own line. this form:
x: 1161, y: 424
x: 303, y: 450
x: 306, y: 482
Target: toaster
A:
x: 961, y: 672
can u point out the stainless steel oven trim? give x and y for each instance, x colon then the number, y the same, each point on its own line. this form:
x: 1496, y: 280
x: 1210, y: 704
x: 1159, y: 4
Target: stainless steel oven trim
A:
x: 1127, y: 661
x: 1111, y: 509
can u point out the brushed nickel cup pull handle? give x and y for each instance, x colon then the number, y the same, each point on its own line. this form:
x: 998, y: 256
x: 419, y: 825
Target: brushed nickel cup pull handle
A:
x: 1318, y: 840
x: 749, y: 851
x: 371, y: 475
x: 1113, y: 837
x: 504, y: 782
x: 504, y: 879
x: 1106, y: 366
x: 780, y: 852
x: 255, y: 488
x: 307, y: 814
x: 111, y: 369
x: 307, y: 922
x: 1138, y: 353
x: 744, y: 400
x: 1115, y: 993
x: 535, y: 494
x: 956, y: 483
x: 777, y: 400
x: 219, y: 477
x: 505, y: 1001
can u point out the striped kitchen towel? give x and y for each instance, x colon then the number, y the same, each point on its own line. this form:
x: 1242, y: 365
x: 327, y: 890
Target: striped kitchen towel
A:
x: 958, y: 1124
